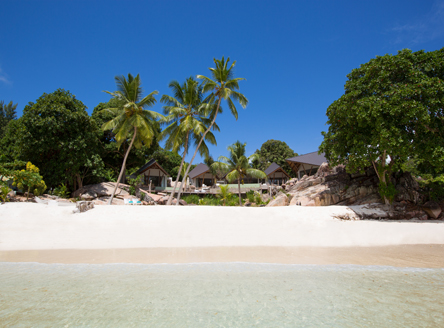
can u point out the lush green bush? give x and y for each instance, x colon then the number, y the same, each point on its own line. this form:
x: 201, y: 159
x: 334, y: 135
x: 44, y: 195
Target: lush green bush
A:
x: 434, y: 186
x: 61, y: 191
x: 4, y: 190
x: 258, y: 198
x: 250, y: 196
x: 191, y: 199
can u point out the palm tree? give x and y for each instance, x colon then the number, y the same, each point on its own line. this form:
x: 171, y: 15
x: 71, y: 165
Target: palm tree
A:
x: 238, y: 165
x: 223, y: 85
x: 186, y: 115
x: 131, y: 119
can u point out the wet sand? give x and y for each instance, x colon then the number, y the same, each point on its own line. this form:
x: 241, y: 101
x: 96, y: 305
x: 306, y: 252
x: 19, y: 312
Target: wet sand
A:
x: 419, y: 256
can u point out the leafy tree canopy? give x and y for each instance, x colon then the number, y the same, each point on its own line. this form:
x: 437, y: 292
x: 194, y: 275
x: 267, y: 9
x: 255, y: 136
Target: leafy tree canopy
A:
x: 392, y: 109
x: 57, y: 135
x: 169, y: 160
x: 274, y: 151
x: 7, y: 114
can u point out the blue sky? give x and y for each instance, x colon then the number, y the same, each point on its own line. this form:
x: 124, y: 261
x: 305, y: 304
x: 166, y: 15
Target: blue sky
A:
x: 295, y: 55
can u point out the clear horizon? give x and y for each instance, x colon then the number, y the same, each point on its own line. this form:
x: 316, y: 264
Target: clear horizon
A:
x: 294, y: 55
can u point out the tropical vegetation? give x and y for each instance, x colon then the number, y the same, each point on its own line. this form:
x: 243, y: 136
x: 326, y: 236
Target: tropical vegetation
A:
x: 223, y: 85
x: 389, y: 117
x: 131, y: 120
x: 186, y: 118
x: 238, y: 166
x: 274, y: 151
x: 392, y: 111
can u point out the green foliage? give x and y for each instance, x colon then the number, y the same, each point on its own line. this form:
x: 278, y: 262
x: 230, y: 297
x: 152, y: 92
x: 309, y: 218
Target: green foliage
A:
x: 4, y: 190
x: 392, y: 110
x: 61, y: 191
x: 130, y: 119
x: 111, y: 154
x: 238, y: 165
x: 222, y: 85
x: 30, y: 180
x: 56, y: 134
x: 191, y: 199
x: 224, y: 194
x: 186, y: 116
x: 274, y: 151
x: 434, y: 186
x: 250, y: 196
x: 134, y: 183
x: 10, y: 145
x: 7, y: 114
x: 169, y: 160
x: 388, y: 191
x: 257, y: 198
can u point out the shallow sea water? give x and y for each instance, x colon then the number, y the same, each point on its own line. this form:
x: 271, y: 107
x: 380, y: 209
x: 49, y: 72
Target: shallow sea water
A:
x: 219, y: 295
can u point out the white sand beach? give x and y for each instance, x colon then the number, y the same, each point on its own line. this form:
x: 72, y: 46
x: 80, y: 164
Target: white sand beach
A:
x: 169, y: 234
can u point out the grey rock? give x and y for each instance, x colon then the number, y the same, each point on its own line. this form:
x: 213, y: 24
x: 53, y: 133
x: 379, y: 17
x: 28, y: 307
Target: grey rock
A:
x: 432, y: 209
x: 83, y: 206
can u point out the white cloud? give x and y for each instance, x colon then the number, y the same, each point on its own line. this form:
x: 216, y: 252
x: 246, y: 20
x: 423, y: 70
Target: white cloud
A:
x: 4, y: 77
x: 424, y: 29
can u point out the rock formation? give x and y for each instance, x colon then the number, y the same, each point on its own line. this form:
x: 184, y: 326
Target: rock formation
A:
x: 334, y: 186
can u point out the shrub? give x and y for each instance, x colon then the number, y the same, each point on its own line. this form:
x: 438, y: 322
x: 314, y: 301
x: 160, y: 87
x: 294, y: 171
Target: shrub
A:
x: 4, y: 190
x: 257, y: 198
x: 250, y: 196
x: 61, y: 191
x: 434, y: 186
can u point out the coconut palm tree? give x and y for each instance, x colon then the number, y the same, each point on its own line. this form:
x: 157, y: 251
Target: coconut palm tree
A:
x: 131, y: 119
x: 223, y: 85
x: 238, y: 165
x: 186, y: 115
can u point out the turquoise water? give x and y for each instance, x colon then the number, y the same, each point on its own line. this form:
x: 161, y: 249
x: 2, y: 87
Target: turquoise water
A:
x: 219, y: 295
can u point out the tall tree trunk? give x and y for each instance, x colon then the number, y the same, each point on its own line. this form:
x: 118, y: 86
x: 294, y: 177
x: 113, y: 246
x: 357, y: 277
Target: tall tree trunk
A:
x: 170, y: 200
x: 381, y: 175
x: 238, y: 189
x: 123, y: 166
x: 79, y: 181
x: 197, y: 148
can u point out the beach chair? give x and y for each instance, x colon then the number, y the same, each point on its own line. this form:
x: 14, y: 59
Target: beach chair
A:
x: 136, y: 201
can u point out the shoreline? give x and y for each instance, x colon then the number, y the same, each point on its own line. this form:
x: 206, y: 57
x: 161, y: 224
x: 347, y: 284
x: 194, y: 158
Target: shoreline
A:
x: 403, y: 256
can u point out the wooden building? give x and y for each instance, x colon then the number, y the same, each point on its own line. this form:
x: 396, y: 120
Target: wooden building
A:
x: 307, y: 164
x: 153, y: 172
x: 276, y: 175
x: 201, y: 175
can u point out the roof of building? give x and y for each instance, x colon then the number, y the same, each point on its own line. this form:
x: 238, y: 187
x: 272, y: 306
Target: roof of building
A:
x: 311, y: 158
x: 273, y: 168
x: 198, y: 170
x: 152, y: 162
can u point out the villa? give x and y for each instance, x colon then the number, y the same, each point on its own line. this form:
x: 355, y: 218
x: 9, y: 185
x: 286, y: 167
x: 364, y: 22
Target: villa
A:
x: 276, y: 175
x: 154, y: 173
x: 307, y: 164
x: 201, y: 174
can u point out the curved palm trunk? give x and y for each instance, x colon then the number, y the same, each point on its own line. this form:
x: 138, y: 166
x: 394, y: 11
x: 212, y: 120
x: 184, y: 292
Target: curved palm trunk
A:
x: 123, y: 166
x: 197, y: 148
x: 170, y: 200
x: 238, y: 188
